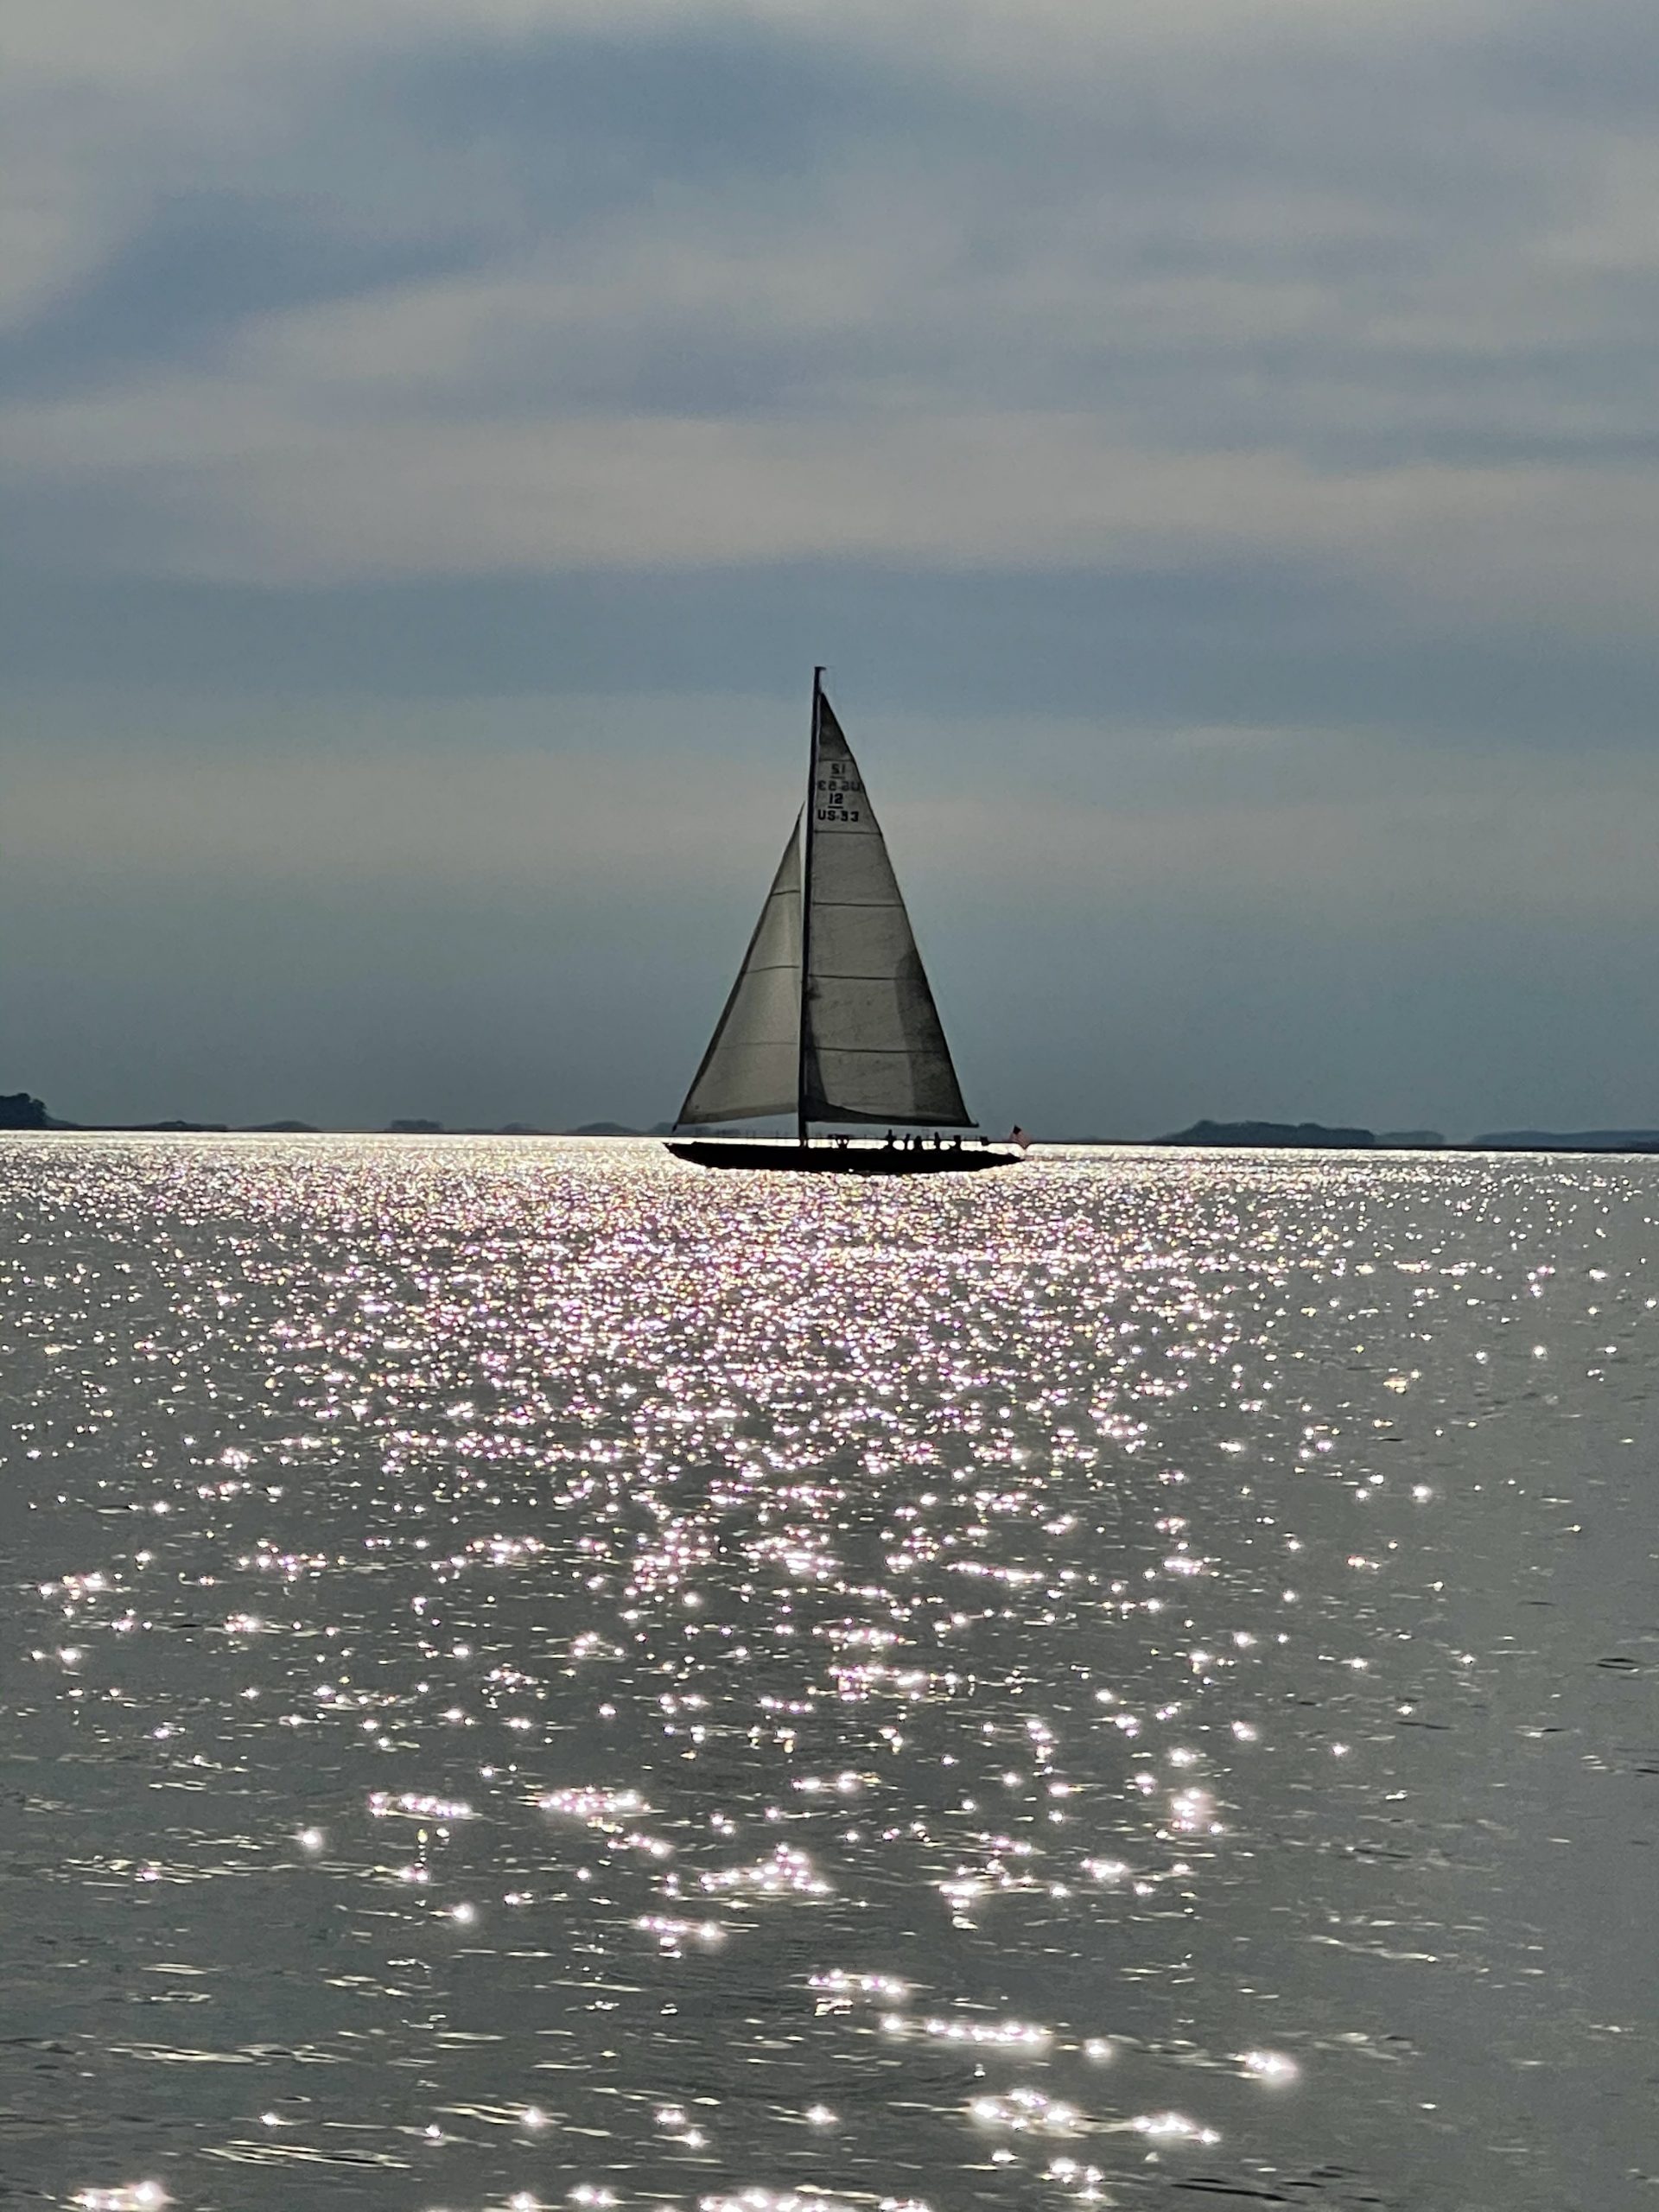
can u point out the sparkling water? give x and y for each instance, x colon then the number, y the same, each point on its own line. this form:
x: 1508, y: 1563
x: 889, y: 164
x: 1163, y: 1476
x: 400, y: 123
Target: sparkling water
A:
x: 534, y: 1676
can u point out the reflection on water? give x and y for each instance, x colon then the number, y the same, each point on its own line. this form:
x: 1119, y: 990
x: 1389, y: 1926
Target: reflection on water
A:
x: 535, y: 1676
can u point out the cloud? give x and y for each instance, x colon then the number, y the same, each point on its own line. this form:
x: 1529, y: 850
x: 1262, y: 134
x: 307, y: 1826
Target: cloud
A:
x: 734, y: 285
x: 239, y: 488
x: 1232, y: 422
x: 565, y: 796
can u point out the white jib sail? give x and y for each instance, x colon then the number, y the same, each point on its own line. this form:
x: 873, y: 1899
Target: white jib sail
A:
x: 751, y: 1066
x: 874, y: 1048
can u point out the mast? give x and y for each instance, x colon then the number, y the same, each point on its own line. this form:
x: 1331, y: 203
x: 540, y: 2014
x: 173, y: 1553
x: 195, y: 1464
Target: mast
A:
x: 807, y: 836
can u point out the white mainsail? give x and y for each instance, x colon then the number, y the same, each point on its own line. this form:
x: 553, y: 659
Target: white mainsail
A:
x: 873, y: 1048
x: 753, y: 1065
x: 863, y: 1043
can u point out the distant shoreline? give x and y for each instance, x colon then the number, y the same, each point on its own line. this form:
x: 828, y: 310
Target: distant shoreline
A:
x: 1257, y: 1136
x: 20, y: 1113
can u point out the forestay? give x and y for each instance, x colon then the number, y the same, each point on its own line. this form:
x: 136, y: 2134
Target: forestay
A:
x: 751, y: 1066
x: 873, y: 1048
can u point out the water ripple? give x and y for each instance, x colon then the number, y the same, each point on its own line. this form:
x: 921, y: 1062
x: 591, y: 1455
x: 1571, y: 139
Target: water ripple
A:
x: 557, y: 1679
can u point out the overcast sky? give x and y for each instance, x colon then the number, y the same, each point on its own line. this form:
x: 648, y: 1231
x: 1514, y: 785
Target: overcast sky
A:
x: 1214, y: 443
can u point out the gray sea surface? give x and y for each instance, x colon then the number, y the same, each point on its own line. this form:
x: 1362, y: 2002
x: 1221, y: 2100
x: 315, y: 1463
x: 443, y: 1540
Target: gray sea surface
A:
x: 535, y: 1675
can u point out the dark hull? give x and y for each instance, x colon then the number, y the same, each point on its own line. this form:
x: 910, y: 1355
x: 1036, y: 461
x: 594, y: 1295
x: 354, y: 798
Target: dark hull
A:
x: 837, y: 1160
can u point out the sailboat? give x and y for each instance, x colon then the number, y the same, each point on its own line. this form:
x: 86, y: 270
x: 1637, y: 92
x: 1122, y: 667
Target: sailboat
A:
x: 831, y: 1019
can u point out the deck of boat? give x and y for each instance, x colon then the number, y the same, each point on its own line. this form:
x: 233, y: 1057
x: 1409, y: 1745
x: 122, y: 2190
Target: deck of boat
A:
x: 783, y: 1156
